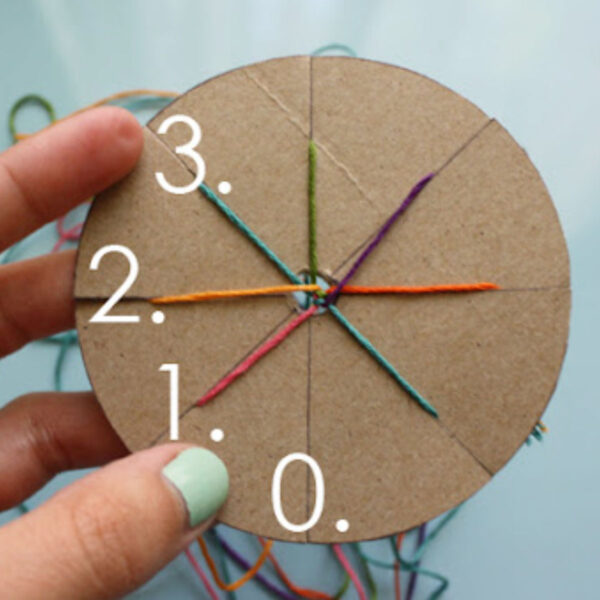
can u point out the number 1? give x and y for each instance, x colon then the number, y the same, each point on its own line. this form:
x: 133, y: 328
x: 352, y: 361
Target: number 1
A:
x: 173, y: 369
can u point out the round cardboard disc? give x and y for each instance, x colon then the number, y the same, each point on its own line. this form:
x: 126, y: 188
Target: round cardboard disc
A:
x: 487, y: 361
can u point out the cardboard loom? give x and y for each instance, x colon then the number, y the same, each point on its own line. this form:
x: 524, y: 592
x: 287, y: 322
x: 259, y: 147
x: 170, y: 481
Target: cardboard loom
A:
x: 487, y: 361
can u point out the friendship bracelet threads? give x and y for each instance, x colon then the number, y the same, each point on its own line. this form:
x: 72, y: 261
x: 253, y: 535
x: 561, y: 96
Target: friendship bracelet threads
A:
x: 397, y: 582
x: 242, y: 562
x: 50, y: 109
x: 29, y: 99
x: 201, y: 574
x: 360, y: 590
x: 269, y: 345
x: 303, y: 592
x: 412, y: 582
x: 482, y: 286
x: 239, y: 223
x: 242, y: 580
x: 243, y: 293
x: 412, y: 195
x: 368, y: 346
x: 312, y: 211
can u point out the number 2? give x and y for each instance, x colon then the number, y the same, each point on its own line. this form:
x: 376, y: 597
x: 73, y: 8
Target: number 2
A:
x: 185, y: 150
x: 102, y: 316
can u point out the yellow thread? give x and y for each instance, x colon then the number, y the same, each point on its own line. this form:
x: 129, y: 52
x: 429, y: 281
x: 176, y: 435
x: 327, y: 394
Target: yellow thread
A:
x: 230, y: 587
x: 111, y: 98
x: 217, y: 294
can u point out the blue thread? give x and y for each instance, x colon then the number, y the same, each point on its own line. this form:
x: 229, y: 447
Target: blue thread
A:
x: 232, y: 216
x: 368, y: 346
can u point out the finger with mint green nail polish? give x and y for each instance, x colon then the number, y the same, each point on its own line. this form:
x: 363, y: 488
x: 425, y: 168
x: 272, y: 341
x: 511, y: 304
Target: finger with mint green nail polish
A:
x: 201, y: 478
x: 108, y: 533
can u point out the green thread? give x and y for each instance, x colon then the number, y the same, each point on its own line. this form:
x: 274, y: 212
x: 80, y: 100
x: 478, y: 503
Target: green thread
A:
x: 312, y: 210
x: 368, y: 346
x: 29, y: 99
x: 335, y: 48
x: 371, y: 583
x: 237, y: 221
x: 343, y: 588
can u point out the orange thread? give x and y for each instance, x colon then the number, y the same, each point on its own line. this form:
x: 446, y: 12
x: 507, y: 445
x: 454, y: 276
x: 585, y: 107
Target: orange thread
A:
x: 243, y: 293
x: 303, y: 592
x: 230, y: 587
x: 397, y: 586
x: 111, y: 98
x: 482, y: 286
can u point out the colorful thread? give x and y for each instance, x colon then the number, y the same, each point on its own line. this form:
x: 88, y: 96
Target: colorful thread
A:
x: 412, y: 195
x: 243, y: 293
x: 269, y: 345
x: 360, y: 590
x: 250, y: 573
x: 412, y: 582
x: 312, y: 211
x: 239, y: 223
x: 29, y: 99
x: 201, y: 574
x: 335, y: 48
x: 242, y: 562
x: 303, y: 592
x: 482, y: 286
x: 368, y: 346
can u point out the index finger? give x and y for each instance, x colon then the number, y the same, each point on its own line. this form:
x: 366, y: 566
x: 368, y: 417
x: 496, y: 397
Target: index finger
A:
x: 46, y: 175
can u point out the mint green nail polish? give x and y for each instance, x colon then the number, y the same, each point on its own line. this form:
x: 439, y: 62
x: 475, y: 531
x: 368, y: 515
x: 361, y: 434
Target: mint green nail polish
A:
x: 202, y: 479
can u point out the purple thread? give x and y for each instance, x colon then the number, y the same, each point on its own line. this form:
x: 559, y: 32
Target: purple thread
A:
x: 412, y: 582
x: 240, y: 560
x: 332, y: 297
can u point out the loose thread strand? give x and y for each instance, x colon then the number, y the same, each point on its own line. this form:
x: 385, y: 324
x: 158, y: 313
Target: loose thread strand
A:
x: 337, y: 549
x: 250, y: 573
x: 201, y: 574
x: 242, y: 562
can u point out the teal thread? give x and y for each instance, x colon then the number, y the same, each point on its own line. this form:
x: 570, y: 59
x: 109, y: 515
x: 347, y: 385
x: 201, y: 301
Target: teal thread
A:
x: 335, y: 48
x: 312, y: 211
x: 237, y: 221
x: 64, y: 341
x: 412, y: 565
x: 368, y: 346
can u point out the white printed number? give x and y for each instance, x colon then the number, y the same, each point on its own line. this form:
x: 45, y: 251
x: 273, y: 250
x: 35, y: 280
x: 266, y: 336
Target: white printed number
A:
x: 173, y: 370
x: 185, y: 150
x: 102, y: 315
x: 319, y: 491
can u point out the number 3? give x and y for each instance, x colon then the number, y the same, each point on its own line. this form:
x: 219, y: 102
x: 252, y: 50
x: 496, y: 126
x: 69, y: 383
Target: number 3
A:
x: 185, y: 150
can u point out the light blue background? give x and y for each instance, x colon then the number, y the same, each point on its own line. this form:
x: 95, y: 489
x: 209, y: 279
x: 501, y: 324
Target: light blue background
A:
x: 534, y: 65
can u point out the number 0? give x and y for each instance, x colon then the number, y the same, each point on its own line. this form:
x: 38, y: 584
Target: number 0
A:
x: 319, y: 491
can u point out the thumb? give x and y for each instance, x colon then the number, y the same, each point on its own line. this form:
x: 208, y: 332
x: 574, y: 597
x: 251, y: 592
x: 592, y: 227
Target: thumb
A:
x: 111, y: 531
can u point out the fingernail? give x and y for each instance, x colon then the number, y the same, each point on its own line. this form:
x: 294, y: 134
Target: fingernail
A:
x: 201, y: 478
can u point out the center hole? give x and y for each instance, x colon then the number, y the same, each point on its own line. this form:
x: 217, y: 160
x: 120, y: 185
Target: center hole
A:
x: 304, y: 300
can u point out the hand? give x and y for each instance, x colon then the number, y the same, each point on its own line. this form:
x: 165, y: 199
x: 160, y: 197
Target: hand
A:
x: 111, y: 531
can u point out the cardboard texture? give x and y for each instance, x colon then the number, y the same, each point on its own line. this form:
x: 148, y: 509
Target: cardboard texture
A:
x: 487, y: 361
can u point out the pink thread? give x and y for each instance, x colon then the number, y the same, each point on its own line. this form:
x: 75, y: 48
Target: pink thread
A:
x: 66, y: 235
x: 257, y: 355
x: 201, y: 574
x: 351, y: 573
